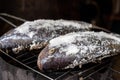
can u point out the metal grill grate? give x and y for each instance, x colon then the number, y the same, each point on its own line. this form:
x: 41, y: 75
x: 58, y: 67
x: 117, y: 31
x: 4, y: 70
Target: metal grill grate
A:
x: 29, y: 60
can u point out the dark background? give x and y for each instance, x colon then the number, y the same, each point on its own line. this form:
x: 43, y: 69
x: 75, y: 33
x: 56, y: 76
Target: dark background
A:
x: 100, y: 12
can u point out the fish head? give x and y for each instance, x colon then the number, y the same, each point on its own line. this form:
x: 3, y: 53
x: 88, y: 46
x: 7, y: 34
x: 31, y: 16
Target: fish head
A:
x: 50, y: 58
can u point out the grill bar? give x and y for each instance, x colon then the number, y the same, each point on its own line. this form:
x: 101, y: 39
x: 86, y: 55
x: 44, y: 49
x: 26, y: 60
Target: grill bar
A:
x: 114, y: 70
x: 95, y: 72
x: 31, y: 62
x: 34, y: 56
x: 63, y: 75
x: 88, y: 69
x: 7, y: 21
x: 13, y: 17
x: 21, y: 55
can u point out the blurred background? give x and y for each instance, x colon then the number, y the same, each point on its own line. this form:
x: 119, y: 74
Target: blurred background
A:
x: 104, y: 13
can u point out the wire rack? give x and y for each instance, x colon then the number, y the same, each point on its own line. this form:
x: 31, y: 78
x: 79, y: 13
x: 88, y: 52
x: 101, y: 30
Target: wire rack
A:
x: 28, y: 60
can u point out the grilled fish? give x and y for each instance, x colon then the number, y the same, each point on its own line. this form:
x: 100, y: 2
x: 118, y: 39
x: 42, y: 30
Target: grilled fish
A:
x: 34, y: 35
x: 78, y: 48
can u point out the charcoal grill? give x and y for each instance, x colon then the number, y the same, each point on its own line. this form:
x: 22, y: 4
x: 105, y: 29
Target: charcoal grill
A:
x: 28, y: 61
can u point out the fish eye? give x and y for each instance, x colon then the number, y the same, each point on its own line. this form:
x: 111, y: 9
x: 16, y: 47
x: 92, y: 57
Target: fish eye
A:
x: 51, y: 51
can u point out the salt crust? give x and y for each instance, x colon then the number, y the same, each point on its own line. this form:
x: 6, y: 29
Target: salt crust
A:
x: 50, y: 25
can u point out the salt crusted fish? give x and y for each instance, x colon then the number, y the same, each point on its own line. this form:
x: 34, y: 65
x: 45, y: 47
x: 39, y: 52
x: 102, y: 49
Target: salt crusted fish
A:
x: 35, y: 34
x: 74, y: 49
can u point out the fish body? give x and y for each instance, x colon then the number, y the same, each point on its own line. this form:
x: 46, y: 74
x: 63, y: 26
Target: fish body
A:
x: 33, y: 35
x: 78, y: 48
